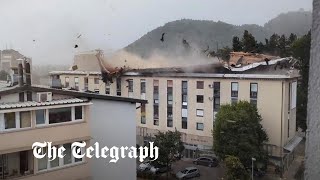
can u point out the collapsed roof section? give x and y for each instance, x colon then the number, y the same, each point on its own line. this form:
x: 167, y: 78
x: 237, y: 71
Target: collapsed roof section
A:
x: 241, y: 65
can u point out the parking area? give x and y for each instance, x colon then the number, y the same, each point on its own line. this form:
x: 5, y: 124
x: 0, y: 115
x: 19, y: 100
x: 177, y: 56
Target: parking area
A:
x: 211, y: 173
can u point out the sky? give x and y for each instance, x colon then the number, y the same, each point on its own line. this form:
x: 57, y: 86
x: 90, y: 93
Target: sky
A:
x: 47, y: 31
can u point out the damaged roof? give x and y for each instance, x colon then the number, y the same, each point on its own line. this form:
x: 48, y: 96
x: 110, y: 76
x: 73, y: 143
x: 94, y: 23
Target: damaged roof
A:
x: 242, y: 58
x: 273, y: 69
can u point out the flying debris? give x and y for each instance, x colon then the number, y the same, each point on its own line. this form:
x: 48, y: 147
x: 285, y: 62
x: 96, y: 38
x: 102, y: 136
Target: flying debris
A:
x: 34, y: 40
x: 267, y: 61
x: 79, y: 36
x: 204, y: 51
x: 76, y: 46
x: 162, y: 37
x: 186, y: 44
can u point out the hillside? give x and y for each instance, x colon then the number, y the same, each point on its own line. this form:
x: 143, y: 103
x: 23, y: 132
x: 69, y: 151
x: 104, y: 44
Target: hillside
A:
x: 201, y: 34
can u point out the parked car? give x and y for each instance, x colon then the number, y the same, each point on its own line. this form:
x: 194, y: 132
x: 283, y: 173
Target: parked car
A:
x: 207, y: 161
x: 188, y: 172
x: 159, y: 168
x: 145, y: 166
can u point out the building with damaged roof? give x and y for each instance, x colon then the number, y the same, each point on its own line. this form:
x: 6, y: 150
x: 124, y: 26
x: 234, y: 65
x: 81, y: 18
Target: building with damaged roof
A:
x: 188, y: 98
x: 31, y: 113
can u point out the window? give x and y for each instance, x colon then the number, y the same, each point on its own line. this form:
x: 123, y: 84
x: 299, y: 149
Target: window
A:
x: 253, y: 93
x: 184, y: 98
x: 86, y: 83
x: 216, y: 89
x: 10, y: 120
x: 234, y: 89
x: 200, y: 126
x: 184, y: 87
x: 216, y: 96
x: 76, y: 83
x: 156, y: 91
x: 184, y: 113
x: 118, y: 86
x: 200, y: 84
x: 43, y: 162
x: 200, y: 112
x: 155, y: 112
x: 143, y: 114
x: 253, y: 90
x: 78, y: 112
x: 184, y: 123
x: 79, y: 152
x: 234, y: 92
x: 169, y: 93
x: 130, y: 85
x: 67, y: 159
x: 96, y: 80
x: 169, y: 123
x: 67, y: 83
x: 25, y: 119
x: 59, y: 115
x: 55, y: 162
x: 143, y: 86
x: 40, y: 116
x: 199, y: 98
x: 216, y: 105
x: 169, y: 112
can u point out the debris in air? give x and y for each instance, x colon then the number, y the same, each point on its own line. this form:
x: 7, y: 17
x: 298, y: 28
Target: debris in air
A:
x: 79, y: 36
x: 162, y: 37
x: 76, y: 46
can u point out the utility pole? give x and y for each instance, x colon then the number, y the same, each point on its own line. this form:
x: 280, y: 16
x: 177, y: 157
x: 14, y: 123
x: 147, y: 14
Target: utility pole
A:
x: 252, y: 159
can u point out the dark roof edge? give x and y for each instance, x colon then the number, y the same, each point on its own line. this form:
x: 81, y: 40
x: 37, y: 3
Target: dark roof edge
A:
x: 87, y: 95
x: 70, y: 93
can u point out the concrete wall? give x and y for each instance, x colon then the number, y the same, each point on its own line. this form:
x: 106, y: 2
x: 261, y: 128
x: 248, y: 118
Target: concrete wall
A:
x: 113, y: 124
x: 313, y: 134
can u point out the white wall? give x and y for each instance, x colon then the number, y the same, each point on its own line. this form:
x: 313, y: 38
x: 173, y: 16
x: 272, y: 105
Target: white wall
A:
x: 113, y: 123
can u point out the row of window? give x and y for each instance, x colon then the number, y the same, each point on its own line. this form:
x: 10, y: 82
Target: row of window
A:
x: 76, y: 82
x: 22, y: 119
x: 45, y: 164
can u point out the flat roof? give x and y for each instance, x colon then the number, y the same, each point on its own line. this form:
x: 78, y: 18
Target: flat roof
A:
x: 34, y: 88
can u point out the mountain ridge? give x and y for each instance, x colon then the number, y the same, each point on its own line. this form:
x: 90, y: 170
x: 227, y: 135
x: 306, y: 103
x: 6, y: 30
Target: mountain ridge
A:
x: 201, y: 34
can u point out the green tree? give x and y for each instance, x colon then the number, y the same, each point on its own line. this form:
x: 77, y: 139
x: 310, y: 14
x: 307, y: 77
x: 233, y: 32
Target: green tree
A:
x: 169, y: 144
x: 301, y: 51
x: 238, y: 132
x: 224, y: 53
x: 248, y: 42
x: 292, y: 38
x: 283, y: 46
x: 273, y: 44
x: 236, y: 44
x: 235, y: 169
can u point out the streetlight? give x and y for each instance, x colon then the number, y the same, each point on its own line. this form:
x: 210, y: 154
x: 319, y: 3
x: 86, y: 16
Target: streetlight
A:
x: 252, y: 159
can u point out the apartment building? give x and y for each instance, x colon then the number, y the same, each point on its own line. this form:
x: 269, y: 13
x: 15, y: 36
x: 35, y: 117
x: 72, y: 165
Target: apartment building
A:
x: 188, y: 98
x: 9, y: 61
x: 31, y: 114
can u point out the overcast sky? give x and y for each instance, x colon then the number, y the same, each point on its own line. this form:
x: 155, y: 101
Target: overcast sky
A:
x: 47, y: 30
